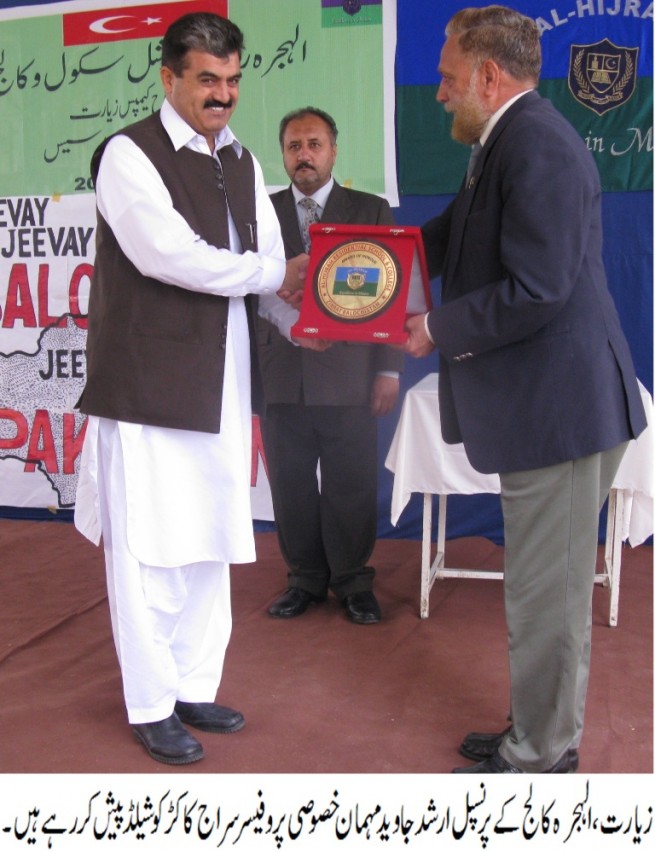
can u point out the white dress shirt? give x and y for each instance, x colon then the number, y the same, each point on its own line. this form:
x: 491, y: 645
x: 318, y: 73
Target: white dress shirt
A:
x: 188, y: 493
x: 281, y: 314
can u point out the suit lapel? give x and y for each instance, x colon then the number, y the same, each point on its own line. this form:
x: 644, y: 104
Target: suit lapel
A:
x: 466, y: 195
x: 337, y: 206
x: 461, y: 208
x: 286, y: 211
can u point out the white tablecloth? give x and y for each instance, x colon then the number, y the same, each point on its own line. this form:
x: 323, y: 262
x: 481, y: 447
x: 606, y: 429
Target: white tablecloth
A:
x: 635, y: 479
x: 422, y: 462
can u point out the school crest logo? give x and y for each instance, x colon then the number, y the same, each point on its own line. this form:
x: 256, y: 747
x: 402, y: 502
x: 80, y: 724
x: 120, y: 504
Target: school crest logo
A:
x: 351, y: 7
x: 602, y: 76
x: 357, y: 281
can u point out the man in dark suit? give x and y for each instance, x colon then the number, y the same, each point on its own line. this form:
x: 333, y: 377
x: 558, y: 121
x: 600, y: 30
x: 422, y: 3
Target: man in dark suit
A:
x: 536, y: 377
x: 321, y: 404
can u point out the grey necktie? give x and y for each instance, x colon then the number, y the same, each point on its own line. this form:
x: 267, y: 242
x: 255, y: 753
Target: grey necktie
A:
x: 309, y: 214
x: 475, y: 153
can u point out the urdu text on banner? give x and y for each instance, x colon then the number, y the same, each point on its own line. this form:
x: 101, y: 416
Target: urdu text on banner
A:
x: 73, y: 73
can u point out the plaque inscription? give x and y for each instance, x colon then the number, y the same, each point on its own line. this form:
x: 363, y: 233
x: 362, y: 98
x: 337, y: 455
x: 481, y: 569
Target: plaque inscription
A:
x: 357, y: 281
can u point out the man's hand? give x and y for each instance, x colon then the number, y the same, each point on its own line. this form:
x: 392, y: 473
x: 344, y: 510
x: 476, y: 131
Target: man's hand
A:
x: 384, y: 394
x: 312, y: 343
x: 418, y: 343
x: 294, y: 280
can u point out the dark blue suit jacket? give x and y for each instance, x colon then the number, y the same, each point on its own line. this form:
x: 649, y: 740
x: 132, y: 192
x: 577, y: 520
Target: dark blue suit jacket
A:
x: 534, y: 367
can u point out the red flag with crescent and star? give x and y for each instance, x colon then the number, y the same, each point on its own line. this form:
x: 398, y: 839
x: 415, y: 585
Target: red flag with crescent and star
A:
x: 128, y: 22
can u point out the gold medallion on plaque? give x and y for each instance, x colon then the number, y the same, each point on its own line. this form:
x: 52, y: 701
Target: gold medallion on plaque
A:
x: 357, y: 281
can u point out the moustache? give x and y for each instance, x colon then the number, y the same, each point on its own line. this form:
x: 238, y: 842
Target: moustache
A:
x: 305, y: 165
x: 214, y: 103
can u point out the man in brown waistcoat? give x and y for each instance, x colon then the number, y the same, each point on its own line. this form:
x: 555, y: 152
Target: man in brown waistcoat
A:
x: 186, y: 240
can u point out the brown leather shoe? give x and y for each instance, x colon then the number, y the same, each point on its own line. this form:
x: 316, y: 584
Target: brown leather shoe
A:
x: 210, y: 717
x: 168, y: 741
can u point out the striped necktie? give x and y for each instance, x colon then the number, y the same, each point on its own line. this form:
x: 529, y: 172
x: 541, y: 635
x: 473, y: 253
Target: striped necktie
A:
x: 309, y: 214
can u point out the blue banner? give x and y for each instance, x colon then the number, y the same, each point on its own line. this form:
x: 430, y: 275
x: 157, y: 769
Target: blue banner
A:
x: 421, y: 25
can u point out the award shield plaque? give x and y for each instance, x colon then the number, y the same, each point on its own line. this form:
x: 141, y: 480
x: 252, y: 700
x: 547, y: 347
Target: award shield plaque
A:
x: 362, y: 283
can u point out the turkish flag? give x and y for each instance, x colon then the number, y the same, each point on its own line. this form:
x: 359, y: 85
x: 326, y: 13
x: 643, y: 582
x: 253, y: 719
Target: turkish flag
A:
x: 127, y: 22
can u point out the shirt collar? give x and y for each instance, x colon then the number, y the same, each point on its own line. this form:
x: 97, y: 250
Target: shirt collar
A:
x: 320, y: 196
x: 493, y: 121
x: 183, y: 135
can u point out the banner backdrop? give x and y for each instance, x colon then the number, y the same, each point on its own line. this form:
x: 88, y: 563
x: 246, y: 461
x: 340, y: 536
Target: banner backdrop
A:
x: 72, y: 73
x: 597, y: 70
x: 68, y: 78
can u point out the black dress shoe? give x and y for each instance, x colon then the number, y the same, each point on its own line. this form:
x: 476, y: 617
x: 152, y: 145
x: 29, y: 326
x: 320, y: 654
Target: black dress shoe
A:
x: 497, y: 764
x: 210, y: 717
x: 291, y: 603
x: 362, y: 608
x: 476, y: 746
x: 168, y: 741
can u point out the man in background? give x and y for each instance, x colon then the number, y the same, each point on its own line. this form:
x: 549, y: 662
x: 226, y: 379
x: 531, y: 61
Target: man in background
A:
x: 535, y: 377
x: 321, y: 406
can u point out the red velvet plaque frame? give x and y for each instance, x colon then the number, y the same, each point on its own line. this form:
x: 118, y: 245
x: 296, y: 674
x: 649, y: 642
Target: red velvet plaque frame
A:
x: 362, y: 283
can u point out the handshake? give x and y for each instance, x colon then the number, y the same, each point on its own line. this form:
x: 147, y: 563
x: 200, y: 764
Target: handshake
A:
x: 294, y: 280
x: 291, y: 292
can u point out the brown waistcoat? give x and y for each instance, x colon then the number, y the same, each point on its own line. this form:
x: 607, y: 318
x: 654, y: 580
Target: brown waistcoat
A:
x: 156, y: 352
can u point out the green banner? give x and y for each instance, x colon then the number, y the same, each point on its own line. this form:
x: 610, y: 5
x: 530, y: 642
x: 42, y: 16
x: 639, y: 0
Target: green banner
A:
x: 621, y: 140
x: 58, y: 102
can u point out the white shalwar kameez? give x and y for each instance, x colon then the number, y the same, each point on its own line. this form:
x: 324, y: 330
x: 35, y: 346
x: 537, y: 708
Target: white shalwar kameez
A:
x: 173, y: 506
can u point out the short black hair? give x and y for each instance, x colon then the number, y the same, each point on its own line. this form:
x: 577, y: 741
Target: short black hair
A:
x: 202, y: 31
x: 303, y: 113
